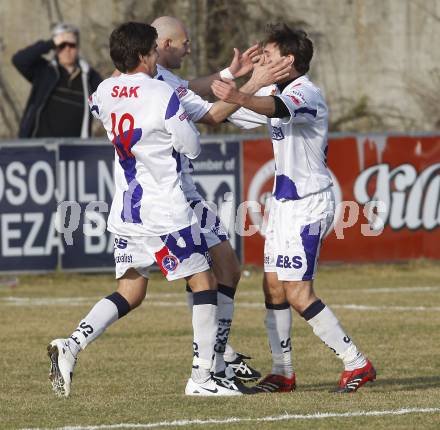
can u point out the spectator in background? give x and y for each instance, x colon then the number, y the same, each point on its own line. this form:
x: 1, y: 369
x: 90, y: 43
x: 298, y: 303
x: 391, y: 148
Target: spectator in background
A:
x: 58, y: 103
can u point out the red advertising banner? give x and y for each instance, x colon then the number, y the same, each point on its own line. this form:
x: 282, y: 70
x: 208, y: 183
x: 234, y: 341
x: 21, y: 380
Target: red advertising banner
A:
x: 387, y: 191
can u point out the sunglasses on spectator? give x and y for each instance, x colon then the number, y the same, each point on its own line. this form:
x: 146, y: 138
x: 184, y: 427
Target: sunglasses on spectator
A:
x: 61, y: 46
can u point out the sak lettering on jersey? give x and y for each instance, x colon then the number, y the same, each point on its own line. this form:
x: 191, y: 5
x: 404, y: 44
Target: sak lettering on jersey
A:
x: 286, y: 262
x: 131, y: 92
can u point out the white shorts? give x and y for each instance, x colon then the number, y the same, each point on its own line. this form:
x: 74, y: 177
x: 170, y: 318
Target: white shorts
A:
x: 212, y: 228
x: 179, y: 254
x: 294, y: 233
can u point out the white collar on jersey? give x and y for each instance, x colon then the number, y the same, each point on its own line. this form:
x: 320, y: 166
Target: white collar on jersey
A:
x: 284, y: 85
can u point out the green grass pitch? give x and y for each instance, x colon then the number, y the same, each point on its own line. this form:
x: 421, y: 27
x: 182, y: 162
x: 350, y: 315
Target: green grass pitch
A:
x: 136, y: 372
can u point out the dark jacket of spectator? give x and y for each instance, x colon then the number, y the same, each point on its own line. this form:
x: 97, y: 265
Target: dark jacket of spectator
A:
x: 44, y: 76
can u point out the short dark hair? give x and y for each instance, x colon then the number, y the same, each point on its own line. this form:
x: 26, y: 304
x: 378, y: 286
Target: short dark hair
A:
x: 291, y: 41
x: 128, y: 41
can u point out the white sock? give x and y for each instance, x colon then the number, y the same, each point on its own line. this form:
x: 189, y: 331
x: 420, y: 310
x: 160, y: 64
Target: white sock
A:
x: 225, y: 311
x: 102, y: 315
x: 225, y: 304
x: 353, y: 359
x: 230, y: 354
x: 327, y: 327
x: 189, y: 298
x: 204, y: 319
x: 278, y: 325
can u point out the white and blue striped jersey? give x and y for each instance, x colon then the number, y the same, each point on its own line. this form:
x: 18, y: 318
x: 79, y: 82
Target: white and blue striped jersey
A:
x: 299, y: 141
x: 196, y: 108
x: 149, y: 128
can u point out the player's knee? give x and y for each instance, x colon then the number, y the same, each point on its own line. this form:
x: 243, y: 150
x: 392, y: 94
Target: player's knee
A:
x: 212, y: 281
x: 228, y: 274
x: 274, y: 293
x: 132, y: 287
x: 272, y: 285
x: 299, y: 294
x: 134, y: 297
x: 137, y: 299
x: 232, y: 278
x: 274, y: 297
x: 235, y: 276
x: 202, y: 281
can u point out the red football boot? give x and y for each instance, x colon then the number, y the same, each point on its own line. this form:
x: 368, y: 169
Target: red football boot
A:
x: 275, y: 384
x: 351, y: 380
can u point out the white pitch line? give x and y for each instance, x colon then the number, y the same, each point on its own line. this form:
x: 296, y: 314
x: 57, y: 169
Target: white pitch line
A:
x: 414, y: 289
x: 395, y: 290
x: 78, y: 301
x: 386, y: 308
x: 234, y: 420
x: 43, y: 301
x: 345, y: 306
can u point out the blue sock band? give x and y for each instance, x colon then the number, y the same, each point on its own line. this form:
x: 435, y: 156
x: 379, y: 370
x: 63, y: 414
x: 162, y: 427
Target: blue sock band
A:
x: 279, y: 307
x: 208, y: 297
x: 227, y: 291
x: 313, y: 310
x: 120, y: 302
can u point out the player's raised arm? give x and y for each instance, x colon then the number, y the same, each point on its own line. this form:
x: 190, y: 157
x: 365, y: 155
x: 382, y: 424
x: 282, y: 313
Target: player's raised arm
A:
x: 174, y: 45
x: 267, y: 105
x: 241, y: 65
x: 262, y: 76
x: 184, y: 136
x: 228, y: 93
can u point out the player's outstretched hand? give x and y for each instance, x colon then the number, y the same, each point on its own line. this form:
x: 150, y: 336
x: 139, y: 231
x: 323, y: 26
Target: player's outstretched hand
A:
x: 225, y: 90
x: 242, y: 64
x: 269, y: 73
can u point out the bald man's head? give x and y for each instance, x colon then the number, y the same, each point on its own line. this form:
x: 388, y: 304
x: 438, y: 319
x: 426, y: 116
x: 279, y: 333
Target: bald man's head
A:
x: 168, y: 27
x: 173, y: 42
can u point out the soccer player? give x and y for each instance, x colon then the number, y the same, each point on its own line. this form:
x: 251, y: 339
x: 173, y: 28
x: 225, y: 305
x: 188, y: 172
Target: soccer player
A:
x: 150, y: 216
x: 173, y: 46
x: 301, y: 209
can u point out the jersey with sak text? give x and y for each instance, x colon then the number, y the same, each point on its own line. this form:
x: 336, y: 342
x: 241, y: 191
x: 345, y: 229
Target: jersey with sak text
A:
x: 148, y: 127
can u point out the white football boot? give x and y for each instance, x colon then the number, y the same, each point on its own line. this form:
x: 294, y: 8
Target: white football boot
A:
x: 62, y: 363
x: 208, y: 388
